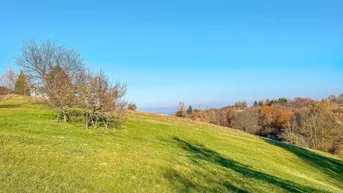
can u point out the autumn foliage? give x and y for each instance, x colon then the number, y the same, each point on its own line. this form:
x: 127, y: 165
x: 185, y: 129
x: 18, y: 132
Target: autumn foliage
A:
x: 301, y: 121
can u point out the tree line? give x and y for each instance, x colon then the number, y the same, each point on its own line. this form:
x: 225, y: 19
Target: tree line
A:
x: 300, y: 121
x: 57, y: 74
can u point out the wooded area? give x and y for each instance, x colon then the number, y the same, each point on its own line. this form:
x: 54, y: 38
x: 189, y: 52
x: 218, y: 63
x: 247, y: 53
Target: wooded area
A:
x: 300, y: 121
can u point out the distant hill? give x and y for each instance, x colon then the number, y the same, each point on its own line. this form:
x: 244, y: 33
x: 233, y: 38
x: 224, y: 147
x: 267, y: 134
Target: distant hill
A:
x: 159, y: 110
x: 150, y: 154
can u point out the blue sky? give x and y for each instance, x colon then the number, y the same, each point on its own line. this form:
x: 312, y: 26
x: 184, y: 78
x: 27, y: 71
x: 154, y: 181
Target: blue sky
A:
x: 201, y: 52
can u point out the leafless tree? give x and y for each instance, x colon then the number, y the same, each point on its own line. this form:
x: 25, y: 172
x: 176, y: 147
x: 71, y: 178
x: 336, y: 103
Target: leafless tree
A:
x: 181, y: 110
x: 60, y: 90
x: 8, y: 79
x: 52, y: 69
x: 100, y: 99
x: 38, y: 60
x: 132, y: 106
x: 247, y: 121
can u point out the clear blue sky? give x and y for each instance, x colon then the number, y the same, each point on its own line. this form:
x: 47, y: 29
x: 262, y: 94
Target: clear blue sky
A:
x: 199, y: 52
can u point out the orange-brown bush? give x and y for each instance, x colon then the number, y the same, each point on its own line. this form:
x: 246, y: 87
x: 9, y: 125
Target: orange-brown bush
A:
x: 200, y: 115
x: 132, y: 106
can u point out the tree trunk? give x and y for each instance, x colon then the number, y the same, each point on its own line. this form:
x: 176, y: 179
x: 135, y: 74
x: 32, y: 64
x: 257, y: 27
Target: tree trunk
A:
x: 86, y: 120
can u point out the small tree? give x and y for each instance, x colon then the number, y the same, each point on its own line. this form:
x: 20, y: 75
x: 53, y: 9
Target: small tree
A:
x: 21, y: 86
x: 8, y: 79
x: 181, y: 111
x: 241, y: 105
x: 339, y: 99
x: 100, y: 99
x: 51, y: 70
x: 282, y: 101
x: 247, y: 121
x: 4, y: 90
x: 60, y: 91
x: 190, y: 110
x: 132, y: 106
x: 255, y: 103
x: 38, y: 60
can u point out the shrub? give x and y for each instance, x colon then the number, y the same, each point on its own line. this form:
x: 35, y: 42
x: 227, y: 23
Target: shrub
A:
x: 75, y: 114
x: 132, y: 106
x: 4, y: 90
x: 200, y: 115
x: 181, y: 111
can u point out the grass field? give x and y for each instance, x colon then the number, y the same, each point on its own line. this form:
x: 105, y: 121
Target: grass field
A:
x: 150, y: 154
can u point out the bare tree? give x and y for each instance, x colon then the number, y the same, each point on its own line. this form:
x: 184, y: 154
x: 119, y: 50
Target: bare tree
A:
x: 39, y: 60
x: 100, y: 99
x: 52, y: 69
x: 247, y: 121
x: 181, y: 110
x: 132, y: 106
x: 61, y: 91
x: 8, y: 79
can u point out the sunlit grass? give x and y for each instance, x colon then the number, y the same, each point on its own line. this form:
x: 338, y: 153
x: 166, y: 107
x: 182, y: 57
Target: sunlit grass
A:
x: 150, y: 154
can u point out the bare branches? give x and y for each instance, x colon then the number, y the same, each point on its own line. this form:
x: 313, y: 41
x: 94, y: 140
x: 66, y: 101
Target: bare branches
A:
x: 59, y: 72
x: 99, y: 98
x: 8, y: 79
x: 38, y: 60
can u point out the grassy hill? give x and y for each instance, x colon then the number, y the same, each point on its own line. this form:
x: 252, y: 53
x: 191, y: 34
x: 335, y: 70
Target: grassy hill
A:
x: 150, y: 154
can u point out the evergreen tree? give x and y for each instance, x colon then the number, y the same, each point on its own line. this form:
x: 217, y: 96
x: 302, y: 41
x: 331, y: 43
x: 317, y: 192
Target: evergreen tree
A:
x: 283, y: 101
x: 255, y: 104
x: 21, y: 87
x: 190, y: 110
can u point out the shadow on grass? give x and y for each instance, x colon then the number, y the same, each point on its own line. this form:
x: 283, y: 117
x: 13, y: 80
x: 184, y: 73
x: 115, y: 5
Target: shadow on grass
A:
x: 9, y: 106
x: 185, y: 184
x: 329, y: 166
x: 198, y: 153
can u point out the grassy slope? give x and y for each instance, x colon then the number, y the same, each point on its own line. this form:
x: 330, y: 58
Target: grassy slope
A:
x: 152, y: 154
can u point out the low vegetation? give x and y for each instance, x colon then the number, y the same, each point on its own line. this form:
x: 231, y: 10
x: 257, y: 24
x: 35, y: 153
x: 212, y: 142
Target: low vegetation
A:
x: 150, y: 153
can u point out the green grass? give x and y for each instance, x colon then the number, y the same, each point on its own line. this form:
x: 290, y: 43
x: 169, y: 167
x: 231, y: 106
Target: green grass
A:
x: 150, y: 154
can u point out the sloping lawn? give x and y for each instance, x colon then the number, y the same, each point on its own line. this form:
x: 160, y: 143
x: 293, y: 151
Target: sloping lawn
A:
x: 150, y: 154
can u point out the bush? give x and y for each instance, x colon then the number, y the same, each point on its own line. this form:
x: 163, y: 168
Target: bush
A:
x: 76, y: 114
x: 200, y: 115
x: 181, y: 110
x: 132, y: 106
x: 4, y: 90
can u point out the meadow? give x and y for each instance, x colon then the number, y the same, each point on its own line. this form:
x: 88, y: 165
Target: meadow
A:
x: 151, y: 153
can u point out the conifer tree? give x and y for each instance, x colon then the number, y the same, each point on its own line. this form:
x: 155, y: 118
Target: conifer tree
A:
x: 255, y: 104
x: 21, y: 86
x: 190, y: 110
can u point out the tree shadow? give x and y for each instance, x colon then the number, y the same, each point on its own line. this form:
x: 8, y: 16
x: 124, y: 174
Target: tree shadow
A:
x: 185, y: 184
x: 198, y: 153
x: 329, y: 166
x: 9, y: 106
